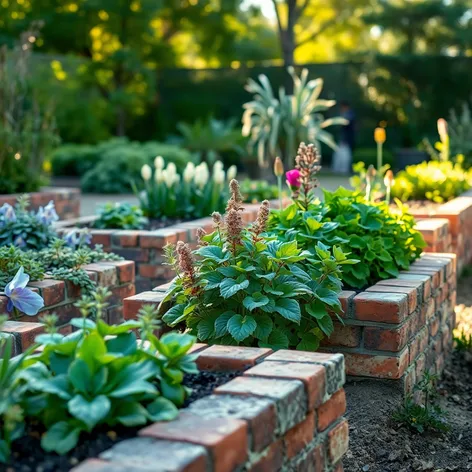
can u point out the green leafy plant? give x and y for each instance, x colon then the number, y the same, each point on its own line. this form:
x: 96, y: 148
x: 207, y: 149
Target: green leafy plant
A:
x: 120, y: 216
x: 424, y: 416
x: 210, y: 139
x: 437, y: 181
x: 164, y: 193
x: 382, y: 240
x: 27, y: 130
x: 255, y: 191
x: 460, y: 133
x: 27, y: 229
x: 11, y: 392
x: 245, y: 287
x: 103, y: 375
x: 12, y: 258
x: 275, y: 125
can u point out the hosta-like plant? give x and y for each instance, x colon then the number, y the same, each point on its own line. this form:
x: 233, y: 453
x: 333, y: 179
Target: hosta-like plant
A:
x: 245, y: 287
x: 103, y: 375
x: 382, y: 240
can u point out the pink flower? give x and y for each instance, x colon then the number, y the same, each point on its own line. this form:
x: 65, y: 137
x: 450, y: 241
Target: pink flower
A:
x: 293, y: 178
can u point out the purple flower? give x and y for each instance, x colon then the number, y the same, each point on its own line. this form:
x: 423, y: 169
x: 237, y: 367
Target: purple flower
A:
x: 19, y: 242
x: 76, y: 239
x: 21, y: 297
x: 8, y: 213
x: 47, y: 215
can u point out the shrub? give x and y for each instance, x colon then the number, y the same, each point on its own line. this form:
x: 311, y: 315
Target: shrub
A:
x: 102, y: 375
x: 27, y: 130
x: 73, y: 159
x: 120, y: 216
x: 460, y: 133
x: 164, y: 193
x: 120, y: 164
x: 27, y: 229
x: 437, y: 181
x: 383, y: 240
x: 254, y: 191
x: 242, y: 286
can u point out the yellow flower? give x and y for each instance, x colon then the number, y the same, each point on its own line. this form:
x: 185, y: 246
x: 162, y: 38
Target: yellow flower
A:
x: 442, y: 128
x: 379, y: 135
x: 47, y: 166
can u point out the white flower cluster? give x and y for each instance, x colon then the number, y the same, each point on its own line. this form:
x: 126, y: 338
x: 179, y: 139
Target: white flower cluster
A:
x: 200, y: 174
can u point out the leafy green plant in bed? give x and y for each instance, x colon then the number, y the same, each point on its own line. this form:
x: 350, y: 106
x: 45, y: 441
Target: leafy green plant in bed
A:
x: 103, y: 375
x: 120, y: 216
x: 382, y: 240
x: 243, y: 286
x: 255, y: 191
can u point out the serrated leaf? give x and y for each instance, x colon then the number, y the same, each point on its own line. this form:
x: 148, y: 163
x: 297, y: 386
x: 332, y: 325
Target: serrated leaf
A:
x: 174, y: 315
x: 205, y: 328
x: 229, y: 287
x: 255, y: 300
x: 214, y: 253
x: 264, y: 327
x: 221, y: 323
x: 289, y: 309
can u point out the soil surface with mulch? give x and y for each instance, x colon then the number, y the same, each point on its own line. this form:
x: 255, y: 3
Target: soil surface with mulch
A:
x: 28, y: 456
x: 379, y: 444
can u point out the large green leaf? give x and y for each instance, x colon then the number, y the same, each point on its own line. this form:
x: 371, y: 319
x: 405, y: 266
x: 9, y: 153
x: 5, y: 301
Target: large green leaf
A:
x: 289, y: 309
x: 90, y: 412
x: 174, y: 315
x: 229, y: 287
x: 255, y: 300
x: 60, y: 438
x: 131, y: 414
x: 264, y: 327
x: 221, y: 323
x: 123, y: 344
x: 241, y: 327
x: 162, y: 409
x: 214, y: 253
x: 80, y: 376
x: 92, y: 347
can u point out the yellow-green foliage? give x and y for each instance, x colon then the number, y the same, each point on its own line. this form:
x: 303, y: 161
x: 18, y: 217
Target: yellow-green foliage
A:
x: 434, y: 180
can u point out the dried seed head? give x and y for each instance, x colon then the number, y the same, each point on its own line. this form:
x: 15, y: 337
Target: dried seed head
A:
x: 236, y: 199
x: 186, y: 263
x: 260, y: 224
x: 307, y: 162
x: 217, y: 219
x: 200, y: 234
x: 234, y: 226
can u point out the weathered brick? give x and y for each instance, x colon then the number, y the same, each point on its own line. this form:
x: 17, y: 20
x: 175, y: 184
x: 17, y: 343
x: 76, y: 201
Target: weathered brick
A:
x: 425, y: 279
x: 410, y: 292
x: 133, y: 304
x: 230, y: 357
x: 313, y: 376
x: 118, y: 294
x: 133, y: 254
x: 126, y: 270
x: 24, y: 333
x: 393, y: 339
x: 226, y: 438
x: 102, y: 236
x: 300, y: 435
x: 344, y: 335
x: 149, y: 270
x: 289, y: 395
x: 260, y: 413
x: 333, y: 363
x: 331, y: 410
x: 52, y: 291
x: 271, y: 460
x: 159, y: 238
x: 106, y: 273
x: 381, y: 307
x: 151, y: 454
x: 125, y: 238
x: 338, y: 442
x: 387, y: 367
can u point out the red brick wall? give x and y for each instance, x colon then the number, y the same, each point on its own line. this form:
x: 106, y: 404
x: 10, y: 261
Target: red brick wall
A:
x: 145, y: 248
x: 285, y: 412
x: 458, y: 239
x: 60, y: 297
x: 393, y: 330
x: 66, y: 200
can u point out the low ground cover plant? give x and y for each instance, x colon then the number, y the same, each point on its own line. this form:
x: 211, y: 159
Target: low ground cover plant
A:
x: 385, y: 241
x: 164, y: 193
x: 243, y: 286
x: 100, y: 374
x: 120, y: 216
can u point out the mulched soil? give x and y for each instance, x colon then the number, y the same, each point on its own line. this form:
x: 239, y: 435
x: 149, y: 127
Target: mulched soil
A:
x: 28, y: 456
x: 379, y: 444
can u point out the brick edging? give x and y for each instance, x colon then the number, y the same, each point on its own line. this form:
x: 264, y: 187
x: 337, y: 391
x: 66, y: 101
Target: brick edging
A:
x: 66, y: 200
x: 393, y: 330
x: 284, y: 413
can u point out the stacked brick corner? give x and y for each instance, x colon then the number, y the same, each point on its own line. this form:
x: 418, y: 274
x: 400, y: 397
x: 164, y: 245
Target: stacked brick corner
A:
x: 285, y: 412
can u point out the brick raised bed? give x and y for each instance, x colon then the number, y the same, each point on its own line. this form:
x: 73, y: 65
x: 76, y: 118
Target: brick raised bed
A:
x: 66, y: 201
x: 394, y: 330
x: 59, y: 298
x: 457, y: 237
x: 145, y: 248
x: 285, y: 412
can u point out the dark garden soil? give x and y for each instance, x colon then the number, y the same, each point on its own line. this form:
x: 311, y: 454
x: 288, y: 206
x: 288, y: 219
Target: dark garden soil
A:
x: 28, y: 456
x: 379, y: 444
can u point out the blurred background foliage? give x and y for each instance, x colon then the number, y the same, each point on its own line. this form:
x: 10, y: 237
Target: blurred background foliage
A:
x: 167, y: 71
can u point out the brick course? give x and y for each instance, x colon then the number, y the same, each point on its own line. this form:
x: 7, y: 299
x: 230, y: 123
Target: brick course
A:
x: 66, y: 201
x: 60, y: 297
x: 252, y: 423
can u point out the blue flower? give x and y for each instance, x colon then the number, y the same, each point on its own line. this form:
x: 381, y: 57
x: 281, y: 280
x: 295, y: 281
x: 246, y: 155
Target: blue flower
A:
x: 21, y: 297
x: 8, y: 213
x: 19, y: 242
x: 47, y: 215
x: 79, y: 238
